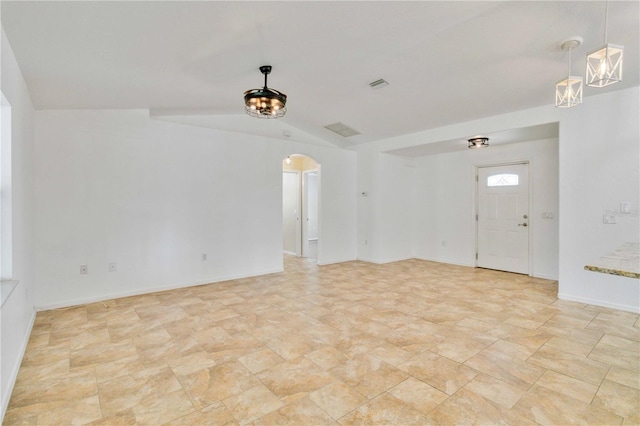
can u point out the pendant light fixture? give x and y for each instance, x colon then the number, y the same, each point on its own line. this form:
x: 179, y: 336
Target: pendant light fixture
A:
x: 479, y: 142
x: 604, y: 66
x: 265, y: 102
x: 569, y: 90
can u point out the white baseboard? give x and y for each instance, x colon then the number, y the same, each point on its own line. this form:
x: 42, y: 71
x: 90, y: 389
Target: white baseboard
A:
x: 448, y: 262
x: 383, y: 261
x: 332, y: 261
x: 545, y: 277
x: 6, y: 397
x: 109, y: 296
x: 604, y: 304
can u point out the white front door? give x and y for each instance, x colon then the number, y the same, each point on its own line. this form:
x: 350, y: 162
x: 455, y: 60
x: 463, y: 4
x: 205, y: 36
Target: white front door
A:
x: 503, y: 218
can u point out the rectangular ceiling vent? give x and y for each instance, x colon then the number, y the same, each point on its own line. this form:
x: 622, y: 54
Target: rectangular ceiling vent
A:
x: 378, y: 84
x: 342, y: 129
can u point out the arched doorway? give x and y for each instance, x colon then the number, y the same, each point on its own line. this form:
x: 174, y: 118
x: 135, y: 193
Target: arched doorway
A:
x: 300, y: 205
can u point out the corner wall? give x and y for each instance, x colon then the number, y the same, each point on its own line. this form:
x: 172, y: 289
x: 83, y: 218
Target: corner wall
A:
x: 445, y: 202
x: 599, y: 163
x: 153, y: 196
x: 599, y: 169
x: 17, y: 314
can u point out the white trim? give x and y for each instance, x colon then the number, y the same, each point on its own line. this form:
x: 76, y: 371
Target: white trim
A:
x: 602, y: 303
x: 545, y: 277
x: 387, y: 260
x: 447, y: 262
x: 6, y: 397
x: 332, y: 261
x: 290, y: 253
x: 84, y: 301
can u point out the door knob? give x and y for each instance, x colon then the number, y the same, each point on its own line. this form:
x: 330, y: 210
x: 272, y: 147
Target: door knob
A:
x: 523, y: 224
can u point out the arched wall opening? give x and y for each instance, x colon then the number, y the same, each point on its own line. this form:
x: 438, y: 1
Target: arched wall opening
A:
x: 300, y: 206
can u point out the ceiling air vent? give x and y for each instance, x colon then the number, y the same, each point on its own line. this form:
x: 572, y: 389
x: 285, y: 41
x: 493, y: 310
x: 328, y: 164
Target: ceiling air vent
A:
x: 378, y: 84
x: 342, y: 129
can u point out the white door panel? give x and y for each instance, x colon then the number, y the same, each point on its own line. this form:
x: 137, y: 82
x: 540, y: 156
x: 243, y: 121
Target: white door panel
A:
x: 503, y: 212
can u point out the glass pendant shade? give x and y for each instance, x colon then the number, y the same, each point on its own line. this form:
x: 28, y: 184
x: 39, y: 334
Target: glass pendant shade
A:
x: 569, y: 92
x: 604, y: 66
x: 265, y: 102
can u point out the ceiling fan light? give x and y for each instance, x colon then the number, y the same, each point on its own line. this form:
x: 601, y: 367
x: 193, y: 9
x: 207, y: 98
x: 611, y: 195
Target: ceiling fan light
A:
x: 265, y: 102
x: 475, y: 143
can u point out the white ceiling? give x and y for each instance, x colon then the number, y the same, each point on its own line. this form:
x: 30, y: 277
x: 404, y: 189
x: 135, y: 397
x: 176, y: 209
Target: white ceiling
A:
x: 504, y: 137
x: 446, y: 61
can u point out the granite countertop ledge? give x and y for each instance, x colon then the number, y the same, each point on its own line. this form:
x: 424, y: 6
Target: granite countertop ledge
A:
x: 625, y: 262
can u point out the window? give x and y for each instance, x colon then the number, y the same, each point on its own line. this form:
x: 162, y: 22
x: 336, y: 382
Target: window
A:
x: 502, y: 180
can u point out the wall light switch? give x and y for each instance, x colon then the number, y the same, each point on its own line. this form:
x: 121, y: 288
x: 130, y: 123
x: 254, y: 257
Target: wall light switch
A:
x: 625, y: 207
x: 113, y: 267
x: 608, y: 219
x: 84, y: 269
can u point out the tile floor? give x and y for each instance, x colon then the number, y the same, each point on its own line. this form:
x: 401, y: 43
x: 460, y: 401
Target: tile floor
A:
x: 411, y: 342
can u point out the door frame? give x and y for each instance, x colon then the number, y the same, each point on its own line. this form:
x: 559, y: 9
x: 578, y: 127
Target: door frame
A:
x: 304, y: 210
x: 529, y: 163
x: 298, y: 251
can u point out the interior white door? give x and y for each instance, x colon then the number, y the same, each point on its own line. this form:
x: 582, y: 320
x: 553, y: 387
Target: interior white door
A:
x: 291, y: 232
x: 503, y: 218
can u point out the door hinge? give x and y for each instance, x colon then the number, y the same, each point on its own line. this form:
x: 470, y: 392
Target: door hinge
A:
x: 476, y: 256
x: 476, y: 217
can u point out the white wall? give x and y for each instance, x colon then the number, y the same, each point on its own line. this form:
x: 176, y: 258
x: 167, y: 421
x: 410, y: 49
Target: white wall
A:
x: 384, y: 210
x: 312, y: 205
x: 445, y: 203
x: 599, y: 168
x: 18, y: 313
x: 153, y: 196
x: 395, y: 190
x: 290, y: 211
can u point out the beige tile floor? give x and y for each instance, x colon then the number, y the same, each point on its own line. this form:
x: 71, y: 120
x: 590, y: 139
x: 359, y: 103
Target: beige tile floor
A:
x: 411, y: 342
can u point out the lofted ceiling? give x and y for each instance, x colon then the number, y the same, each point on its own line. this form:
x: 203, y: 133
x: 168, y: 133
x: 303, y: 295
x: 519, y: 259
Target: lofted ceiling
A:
x: 446, y: 61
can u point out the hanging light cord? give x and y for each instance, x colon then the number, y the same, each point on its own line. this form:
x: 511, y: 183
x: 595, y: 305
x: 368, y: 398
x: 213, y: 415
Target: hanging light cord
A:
x: 606, y: 20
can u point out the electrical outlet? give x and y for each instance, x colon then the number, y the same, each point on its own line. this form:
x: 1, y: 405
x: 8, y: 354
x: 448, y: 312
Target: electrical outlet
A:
x: 444, y: 243
x: 113, y: 267
x: 608, y: 219
x: 84, y: 269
